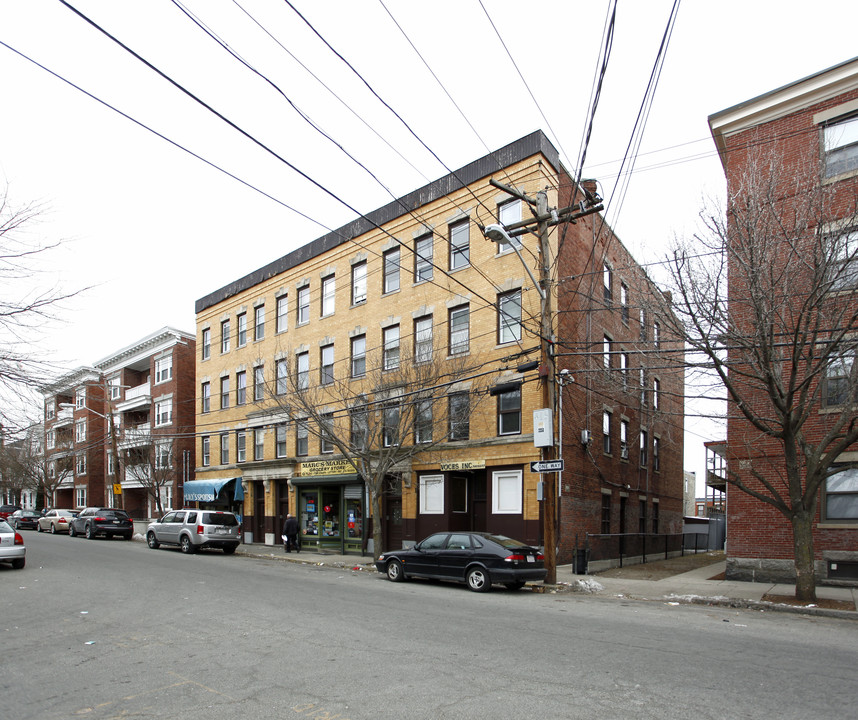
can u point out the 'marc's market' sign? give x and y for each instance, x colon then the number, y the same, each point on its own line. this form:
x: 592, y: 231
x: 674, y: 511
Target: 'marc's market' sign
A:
x: 326, y: 467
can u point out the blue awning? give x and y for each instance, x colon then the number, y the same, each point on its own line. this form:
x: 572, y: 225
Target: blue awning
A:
x: 208, y: 490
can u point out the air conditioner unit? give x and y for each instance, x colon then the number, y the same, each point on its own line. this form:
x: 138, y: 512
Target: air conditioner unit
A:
x: 585, y: 437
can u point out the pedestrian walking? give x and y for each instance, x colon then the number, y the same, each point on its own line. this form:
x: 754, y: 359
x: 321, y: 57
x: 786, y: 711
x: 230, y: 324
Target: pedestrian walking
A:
x: 290, y: 534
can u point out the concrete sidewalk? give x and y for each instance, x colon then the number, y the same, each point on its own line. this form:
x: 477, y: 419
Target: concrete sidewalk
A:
x: 694, y: 586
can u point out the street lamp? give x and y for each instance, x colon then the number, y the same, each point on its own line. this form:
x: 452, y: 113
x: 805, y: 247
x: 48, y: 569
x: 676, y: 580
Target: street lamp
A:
x: 498, y: 234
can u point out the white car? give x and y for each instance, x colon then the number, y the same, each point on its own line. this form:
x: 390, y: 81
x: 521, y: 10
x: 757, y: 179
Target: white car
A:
x: 12, y: 548
x: 55, y: 521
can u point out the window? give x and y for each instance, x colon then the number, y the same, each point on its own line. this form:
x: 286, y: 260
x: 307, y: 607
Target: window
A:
x: 206, y: 343
x: 841, y: 495
x: 460, y: 245
x: 80, y: 431
x: 606, y: 514
x: 390, y: 423
x: 326, y: 365
x: 459, y: 503
x: 842, y: 270
x: 163, y: 456
x: 326, y: 432
x: 423, y: 339
x: 80, y: 398
x: 656, y: 391
x: 51, y: 439
x: 459, y: 330
x: 837, y: 382
x: 624, y: 370
x: 80, y: 496
x: 280, y: 440
x: 258, y: 444
x: 205, y: 397
x: 656, y: 452
x: 506, y: 492
x: 224, y: 449
x: 281, y: 367
x: 240, y: 446
x: 643, y: 325
x: 624, y: 303
x: 50, y: 409
x: 431, y: 494
x: 242, y: 329
x: 391, y: 347
x: 509, y: 412
x: 359, y: 425
x: 329, y: 293
x: 607, y: 280
x: 207, y: 456
x: 606, y: 352
x: 642, y: 372
x: 303, y: 305
x: 509, y: 317
x: 423, y: 253
x: 224, y: 336
x: 302, y: 443
x: 163, y: 413
x: 423, y: 422
x: 606, y: 432
x: 655, y: 516
x: 358, y: 365
x: 641, y: 516
x: 282, y: 321
x: 241, y: 388
x: 116, y: 389
x: 840, y: 143
x: 259, y: 383
x: 459, y: 414
x: 359, y: 283
x: 391, y: 270
x: 224, y: 393
x: 644, y: 448
x: 624, y: 439
x: 80, y: 464
x: 303, y: 364
x: 52, y: 469
x: 656, y: 334
x: 259, y: 323
x: 508, y: 214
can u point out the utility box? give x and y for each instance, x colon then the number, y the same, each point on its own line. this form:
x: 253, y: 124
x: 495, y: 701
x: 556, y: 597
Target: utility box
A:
x: 543, y: 428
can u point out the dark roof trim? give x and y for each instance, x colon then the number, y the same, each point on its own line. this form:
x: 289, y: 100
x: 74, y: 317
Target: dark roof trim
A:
x: 516, y: 151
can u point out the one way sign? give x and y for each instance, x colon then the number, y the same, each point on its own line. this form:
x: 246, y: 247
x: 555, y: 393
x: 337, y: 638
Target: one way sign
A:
x: 541, y: 466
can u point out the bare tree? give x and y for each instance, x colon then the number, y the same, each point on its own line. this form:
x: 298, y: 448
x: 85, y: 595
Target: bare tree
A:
x: 385, y: 409
x: 26, y: 467
x: 153, y: 465
x: 766, y: 298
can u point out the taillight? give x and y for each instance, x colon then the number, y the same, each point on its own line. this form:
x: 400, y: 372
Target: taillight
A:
x: 514, y: 558
x: 100, y: 519
x: 200, y: 529
x: 540, y: 556
x: 18, y: 539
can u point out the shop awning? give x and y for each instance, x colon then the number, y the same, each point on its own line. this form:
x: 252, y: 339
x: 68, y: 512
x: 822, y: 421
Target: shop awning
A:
x: 326, y: 480
x: 208, y: 490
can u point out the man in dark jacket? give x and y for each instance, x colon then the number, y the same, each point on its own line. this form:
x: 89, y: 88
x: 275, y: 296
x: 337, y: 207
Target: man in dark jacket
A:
x: 290, y: 530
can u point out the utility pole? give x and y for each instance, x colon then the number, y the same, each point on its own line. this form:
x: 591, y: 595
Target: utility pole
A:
x: 543, y: 220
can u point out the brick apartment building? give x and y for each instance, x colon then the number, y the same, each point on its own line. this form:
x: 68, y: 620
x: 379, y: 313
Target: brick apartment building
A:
x: 136, y: 405
x: 817, y: 118
x: 417, y: 281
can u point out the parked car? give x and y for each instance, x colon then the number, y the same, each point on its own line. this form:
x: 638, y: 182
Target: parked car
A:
x: 95, y: 521
x: 477, y: 559
x: 193, y: 530
x: 7, y: 510
x: 56, y: 520
x: 24, y: 519
x: 12, y: 548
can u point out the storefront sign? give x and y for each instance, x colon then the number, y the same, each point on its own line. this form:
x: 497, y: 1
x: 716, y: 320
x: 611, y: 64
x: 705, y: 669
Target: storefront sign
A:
x: 326, y: 467
x: 463, y: 465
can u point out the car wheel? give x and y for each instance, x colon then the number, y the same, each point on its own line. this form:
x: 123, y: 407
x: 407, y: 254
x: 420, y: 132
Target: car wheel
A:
x: 185, y: 545
x: 478, y: 580
x: 72, y: 531
x: 229, y: 550
x: 39, y: 527
x: 18, y: 563
x: 395, y: 573
x: 53, y: 529
x: 90, y: 534
x: 152, y: 541
x: 517, y: 585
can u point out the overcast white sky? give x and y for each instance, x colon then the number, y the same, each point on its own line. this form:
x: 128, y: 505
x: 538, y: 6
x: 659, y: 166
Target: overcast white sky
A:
x: 152, y: 229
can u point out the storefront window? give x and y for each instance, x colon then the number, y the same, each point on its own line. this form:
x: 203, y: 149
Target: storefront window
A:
x: 330, y: 513
x: 309, y: 514
x: 354, y: 518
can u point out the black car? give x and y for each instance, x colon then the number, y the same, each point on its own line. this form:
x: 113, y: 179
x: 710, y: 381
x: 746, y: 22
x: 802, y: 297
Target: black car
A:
x: 476, y: 558
x: 24, y: 519
x: 94, y: 521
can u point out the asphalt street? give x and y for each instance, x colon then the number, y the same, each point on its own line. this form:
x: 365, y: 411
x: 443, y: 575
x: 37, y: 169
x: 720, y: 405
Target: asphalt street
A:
x: 112, y: 629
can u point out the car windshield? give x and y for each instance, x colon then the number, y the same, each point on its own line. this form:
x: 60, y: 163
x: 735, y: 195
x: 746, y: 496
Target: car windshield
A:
x: 118, y: 514
x: 219, y: 518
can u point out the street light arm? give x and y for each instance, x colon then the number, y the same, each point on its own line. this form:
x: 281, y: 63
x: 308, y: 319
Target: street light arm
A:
x: 497, y: 234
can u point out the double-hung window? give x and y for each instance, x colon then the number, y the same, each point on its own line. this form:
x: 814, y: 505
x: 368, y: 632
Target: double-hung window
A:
x: 224, y: 392
x: 459, y: 415
x: 241, y: 388
x: 459, y: 329
x: 259, y: 383
x: 509, y: 412
x: 838, y: 382
x: 303, y: 305
x: 163, y: 369
x: 840, y: 143
x: 242, y: 330
x: 391, y: 347
x: 656, y: 454
x: 224, y: 449
x: 282, y: 320
x: 391, y: 270
x: 303, y: 367
x: 358, y: 363
x: 423, y: 252
x: 329, y: 293
x: 423, y: 421
x: 508, y: 214
x: 258, y: 444
x: 259, y: 322
x: 326, y: 365
x: 842, y: 262
x: 509, y: 317
x: 390, y: 423
x: 624, y: 439
x: 359, y: 283
x: 205, y: 397
x: 224, y: 336
x: 302, y: 439
x: 80, y: 431
x: 240, y: 446
x: 281, y: 367
x: 207, y: 451
x: 206, y: 342
x: 163, y: 413
x: 624, y: 303
x: 607, y: 283
x: 326, y: 433
x: 281, y: 432
x: 423, y: 339
x: 460, y: 241
x: 841, y: 495
x: 358, y: 425
x: 606, y: 432
x: 644, y: 448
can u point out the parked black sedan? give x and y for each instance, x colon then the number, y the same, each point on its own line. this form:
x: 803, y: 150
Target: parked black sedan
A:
x: 24, y: 519
x: 94, y: 521
x: 477, y: 559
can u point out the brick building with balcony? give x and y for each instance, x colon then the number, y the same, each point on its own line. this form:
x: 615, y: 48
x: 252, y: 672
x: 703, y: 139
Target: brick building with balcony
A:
x: 417, y: 282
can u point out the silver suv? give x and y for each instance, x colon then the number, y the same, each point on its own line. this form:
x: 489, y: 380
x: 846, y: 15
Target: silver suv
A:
x: 192, y: 530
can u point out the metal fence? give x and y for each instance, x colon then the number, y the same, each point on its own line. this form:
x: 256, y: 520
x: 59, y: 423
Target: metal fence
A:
x: 639, y: 547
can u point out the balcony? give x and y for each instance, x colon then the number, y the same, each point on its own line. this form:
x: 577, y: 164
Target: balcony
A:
x: 136, y: 397
x: 65, y: 416
x: 139, y: 436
